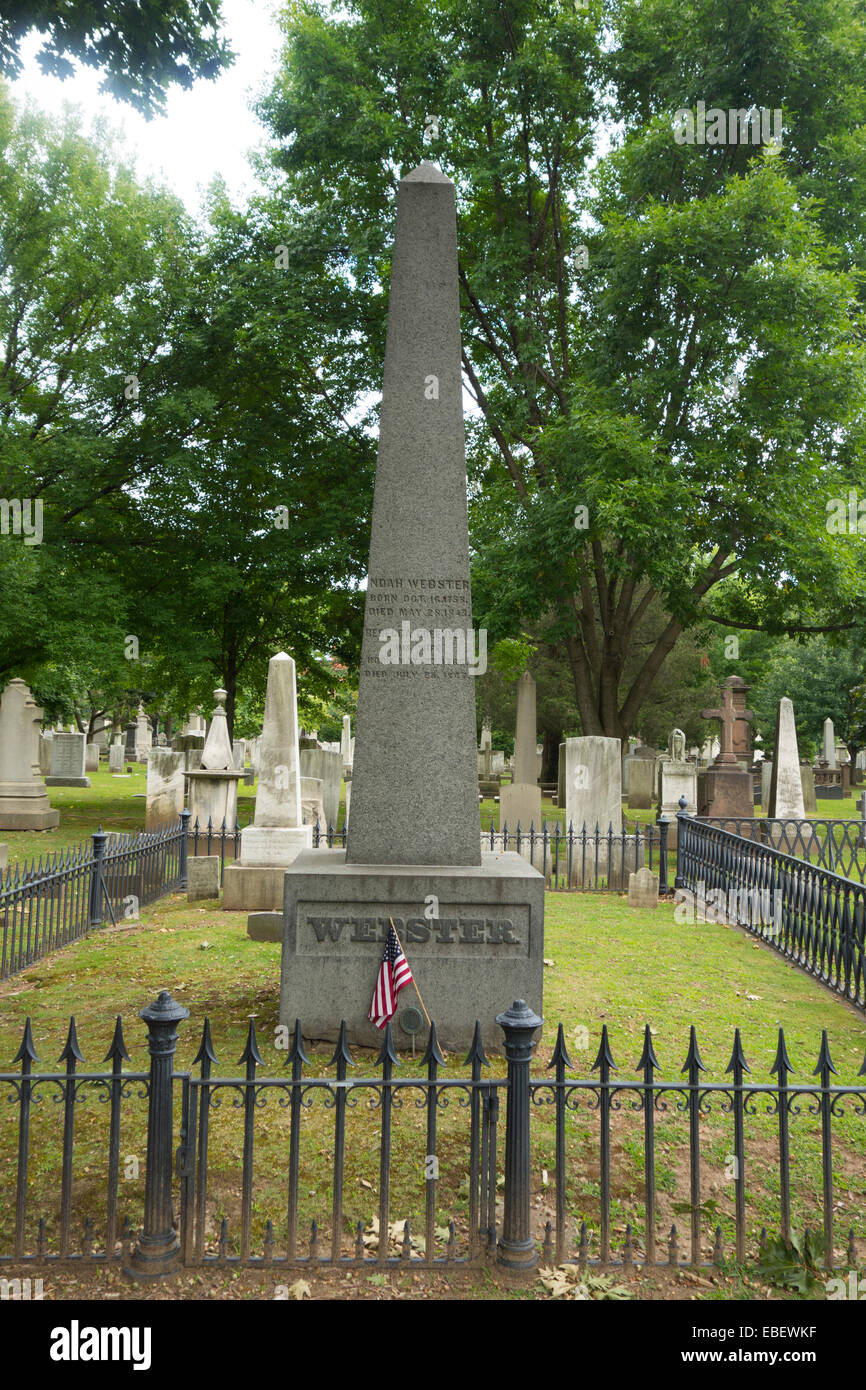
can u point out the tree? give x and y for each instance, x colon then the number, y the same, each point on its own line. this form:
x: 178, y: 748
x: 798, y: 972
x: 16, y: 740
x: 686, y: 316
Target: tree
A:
x: 823, y: 680
x: 166, y: 399
x: 142, y: 46
x: 662, y: 340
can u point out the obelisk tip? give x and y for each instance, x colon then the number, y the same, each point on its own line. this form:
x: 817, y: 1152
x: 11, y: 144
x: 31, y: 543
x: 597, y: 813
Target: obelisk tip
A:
x: 425, y: 173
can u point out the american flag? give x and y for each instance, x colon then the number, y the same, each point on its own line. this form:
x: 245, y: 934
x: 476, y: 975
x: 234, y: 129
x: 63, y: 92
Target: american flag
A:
x: 394, y: 975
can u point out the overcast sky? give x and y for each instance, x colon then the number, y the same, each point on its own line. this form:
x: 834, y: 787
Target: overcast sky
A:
x: 206, y: 130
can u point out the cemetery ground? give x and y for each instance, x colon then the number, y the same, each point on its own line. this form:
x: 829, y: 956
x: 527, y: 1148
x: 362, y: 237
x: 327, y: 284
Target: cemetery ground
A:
x: 605, y: 964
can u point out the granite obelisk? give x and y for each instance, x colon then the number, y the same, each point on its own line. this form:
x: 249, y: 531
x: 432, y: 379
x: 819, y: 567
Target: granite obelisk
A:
x: 471, y: 923
x: 414, y: 785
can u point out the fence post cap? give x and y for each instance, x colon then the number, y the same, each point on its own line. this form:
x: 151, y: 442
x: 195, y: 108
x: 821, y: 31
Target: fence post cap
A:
x: 164, y: 1010
x: 519, y: 1017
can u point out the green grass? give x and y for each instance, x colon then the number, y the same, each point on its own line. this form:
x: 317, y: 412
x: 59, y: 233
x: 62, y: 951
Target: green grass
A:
x: 112, y: 802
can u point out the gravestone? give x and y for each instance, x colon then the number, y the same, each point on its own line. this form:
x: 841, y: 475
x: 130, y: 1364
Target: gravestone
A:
x: 661, y: 759
x: 807, y: 780
x: 164, y: 788
x: 277, y: 834
x: 202, y: 876
x: 91, y: 757
x: 347, y: 745
x: 766, y: 779
x: 677, y: 779
x: 312, y: 804
x: 45, y: 754
x: 520, y: 800
x: 829, y: 744
x: 560, y: 777
x: 593, y: 784
x: 116, y: 757
x: 641, y: 780
x: 786, y: 788
x: 327, y: 768
x: 143, y: 735
x: 413, y: 839
x: 726, y: 789
x: 24, y: 802
x: 213, y: 787
x: 593, y: 800
x: 643, y: 888
x: 67, y: 762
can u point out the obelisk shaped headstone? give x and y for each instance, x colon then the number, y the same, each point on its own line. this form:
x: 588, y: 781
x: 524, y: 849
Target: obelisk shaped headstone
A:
x: 829, y: 744
x: 278, y: 798
x: 786, y: 788
x: 414, y: 781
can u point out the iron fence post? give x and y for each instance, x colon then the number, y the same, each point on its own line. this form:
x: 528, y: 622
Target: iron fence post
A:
x: 184, y: 846
x: 157, y: 1249
x: 664, y: 826
x: 682, y: 821
x: 99, y: 837
x: 517, y: 1250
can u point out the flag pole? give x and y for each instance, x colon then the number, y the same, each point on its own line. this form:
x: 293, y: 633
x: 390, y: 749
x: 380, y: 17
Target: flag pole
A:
x: 414, y: 981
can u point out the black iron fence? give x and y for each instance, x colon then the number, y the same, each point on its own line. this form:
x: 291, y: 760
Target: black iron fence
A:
x: 271, y: 1179
x: 813, y: 917
x: 46, y: 903
x: 571, y: 860
x: 837, y: 845
x: 589, y: 859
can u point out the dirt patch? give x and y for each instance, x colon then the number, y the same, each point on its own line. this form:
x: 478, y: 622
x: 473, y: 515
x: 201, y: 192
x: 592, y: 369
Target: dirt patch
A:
x: 484, y: 1284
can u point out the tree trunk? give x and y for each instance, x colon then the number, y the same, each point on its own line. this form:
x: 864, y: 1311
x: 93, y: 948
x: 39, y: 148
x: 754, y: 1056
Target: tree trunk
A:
x: 550, y: 755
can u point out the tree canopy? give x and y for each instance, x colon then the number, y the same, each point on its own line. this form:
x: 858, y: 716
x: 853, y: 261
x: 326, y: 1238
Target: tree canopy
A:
x: 664, y: 340
x: 141, y: 46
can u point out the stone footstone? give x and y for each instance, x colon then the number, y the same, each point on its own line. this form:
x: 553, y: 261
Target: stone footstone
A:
x: 203, y: 876
x: 643, y: 889
x: 265, y: 926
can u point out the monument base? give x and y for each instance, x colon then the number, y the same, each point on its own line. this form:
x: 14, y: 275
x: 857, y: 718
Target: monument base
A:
x: 256, y: 882
x: 27, y: 813
x: 67, y: 781
x: 724, y: 792
x: 483, y: 943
